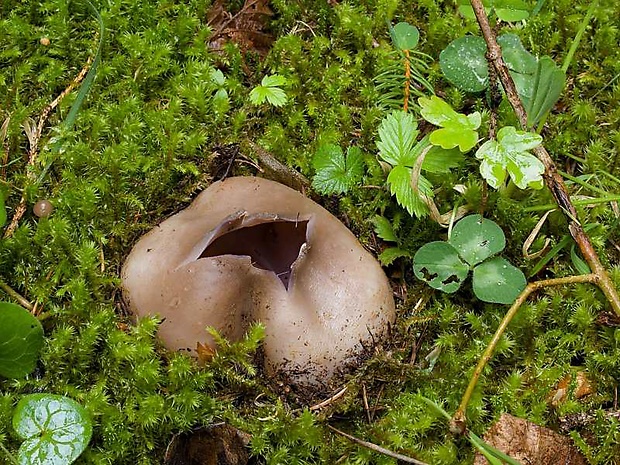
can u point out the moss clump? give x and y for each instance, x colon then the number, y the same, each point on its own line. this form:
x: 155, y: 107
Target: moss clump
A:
x: 143, y: 146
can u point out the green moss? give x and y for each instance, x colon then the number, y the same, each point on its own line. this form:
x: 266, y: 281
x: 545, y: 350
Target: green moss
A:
x: 141, y: 149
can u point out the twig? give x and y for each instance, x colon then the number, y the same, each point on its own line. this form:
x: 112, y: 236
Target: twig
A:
x: 365, y: 399
x: 326, y: 402
x: 34, y: 138
x: 16, y: 295
x: 458, y: 422
x: 552, y: 178
x: 376, y: 448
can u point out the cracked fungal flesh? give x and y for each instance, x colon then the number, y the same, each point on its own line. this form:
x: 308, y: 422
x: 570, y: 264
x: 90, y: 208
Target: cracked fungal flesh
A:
x: 247, y: 250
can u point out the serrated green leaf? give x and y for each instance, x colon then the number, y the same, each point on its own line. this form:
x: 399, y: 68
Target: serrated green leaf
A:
x: 476, y: 238
x: 274, y: 80
x: 55, y: 429
x: 399, y: 181
x: 335, y: 173
x: 21, y: 339
x: 463, y: 63
x: 509, y: 153
x: 384, y: 228
x: 497, y: 281
x: 438, y: 264
x: 397, y: 135
x: 389, y: 255
x: 457, y: 129
x: 405, y: 36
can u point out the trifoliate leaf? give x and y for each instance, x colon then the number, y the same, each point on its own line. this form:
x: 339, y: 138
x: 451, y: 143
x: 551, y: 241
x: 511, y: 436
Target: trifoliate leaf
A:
x: 335, y: 173
x: 464, y: 64
x: 458, y: 130
x: 399, y: 181
x: 397, y: 135
x: 21, y: 339
x: 405, y: 36
x: 510, y: 153
x: 497, y: 281
x: 439, y: 265
x: 55, y: 429
x: 269, y: 91
x: 476, y: 238
x: 384, y: 229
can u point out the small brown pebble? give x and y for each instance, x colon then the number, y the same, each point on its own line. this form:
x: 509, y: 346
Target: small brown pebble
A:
x: 43, y: 208
x: 44, y: 41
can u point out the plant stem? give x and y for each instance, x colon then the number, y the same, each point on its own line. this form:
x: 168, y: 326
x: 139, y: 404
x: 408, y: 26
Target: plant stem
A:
x: 458, y: 422
x: 16, y: 295
x: 552, y: 178
x: 8, y: 455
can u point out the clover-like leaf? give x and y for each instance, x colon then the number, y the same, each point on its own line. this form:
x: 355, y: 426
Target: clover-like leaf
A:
x: 438, y: 264
x: 463, y: 63
x: 397, y: 135
x: 510, y: 153
x: 269, y: 90
x: 21, y: 339
x: 55, y: 429
x: 457, y: 129
x: 516, y: 57
x: 476, y: 238
x: 405, y: 36
x: 335, y: 173
x: 399, y: 181
x: 497, y: 281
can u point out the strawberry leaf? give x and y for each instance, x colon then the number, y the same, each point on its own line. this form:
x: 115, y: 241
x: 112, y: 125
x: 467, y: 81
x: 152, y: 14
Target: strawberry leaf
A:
x: 335, y: 173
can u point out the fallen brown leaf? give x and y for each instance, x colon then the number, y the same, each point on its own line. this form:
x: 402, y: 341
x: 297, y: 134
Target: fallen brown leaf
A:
x: 530, y: 444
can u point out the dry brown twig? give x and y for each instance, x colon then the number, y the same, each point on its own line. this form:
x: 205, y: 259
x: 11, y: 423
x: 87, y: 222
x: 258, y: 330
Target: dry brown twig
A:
x: 34, y: 136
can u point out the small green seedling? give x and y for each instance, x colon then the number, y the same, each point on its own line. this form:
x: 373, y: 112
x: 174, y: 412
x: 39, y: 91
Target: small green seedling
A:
x: 55, y: 429
x: 509, y: 153
x: 385, y: 230
x: 457, y: 129
x: 405, y: 36
x: 21, y: 339
x: 270, y: 91
x: 472, y: 246
x: 335, y: 172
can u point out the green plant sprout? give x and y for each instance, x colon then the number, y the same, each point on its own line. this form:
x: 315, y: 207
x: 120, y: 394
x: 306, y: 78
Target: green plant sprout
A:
x: 270, y: 91
x: 457, y: 130
x: 335, y: 172
x: 473, y: 244
x: 403, y: 77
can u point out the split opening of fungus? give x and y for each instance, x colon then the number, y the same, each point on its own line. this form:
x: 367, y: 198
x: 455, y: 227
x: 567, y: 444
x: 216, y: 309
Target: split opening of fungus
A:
x: 273, y: 244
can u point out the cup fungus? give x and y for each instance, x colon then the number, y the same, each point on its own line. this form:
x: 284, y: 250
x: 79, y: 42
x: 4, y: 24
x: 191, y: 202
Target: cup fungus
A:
x: 247, y: 250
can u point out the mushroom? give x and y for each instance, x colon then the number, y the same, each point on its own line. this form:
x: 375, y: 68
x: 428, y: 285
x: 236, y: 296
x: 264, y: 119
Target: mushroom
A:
x: 252, y: 250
